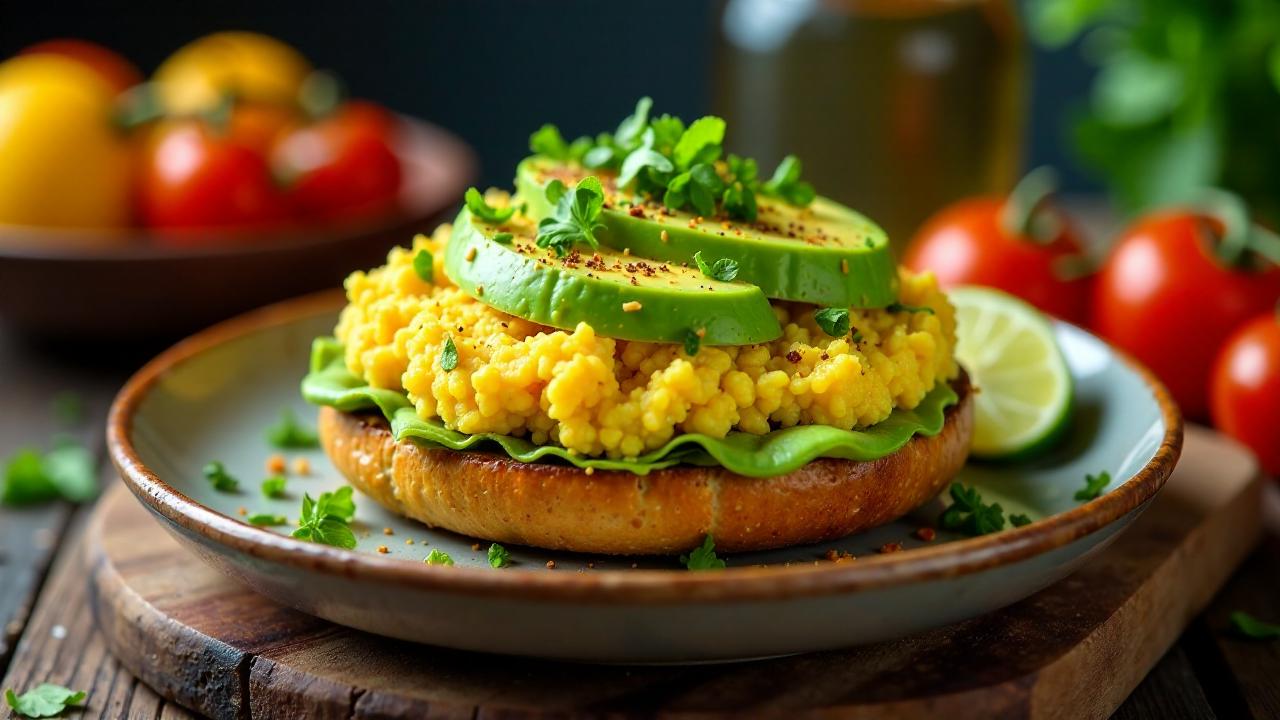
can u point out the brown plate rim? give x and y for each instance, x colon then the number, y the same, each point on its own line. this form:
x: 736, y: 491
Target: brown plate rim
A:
x: 953, y: 559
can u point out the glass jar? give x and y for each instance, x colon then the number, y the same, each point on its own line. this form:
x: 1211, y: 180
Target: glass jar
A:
x: 895, y: 107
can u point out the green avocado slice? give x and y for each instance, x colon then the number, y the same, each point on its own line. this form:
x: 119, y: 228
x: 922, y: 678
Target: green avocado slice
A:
x: 825, y: 254
x: 619, y: 295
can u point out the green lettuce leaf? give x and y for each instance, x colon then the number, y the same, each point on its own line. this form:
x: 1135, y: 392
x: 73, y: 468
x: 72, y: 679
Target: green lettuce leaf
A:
x: 776, y: 453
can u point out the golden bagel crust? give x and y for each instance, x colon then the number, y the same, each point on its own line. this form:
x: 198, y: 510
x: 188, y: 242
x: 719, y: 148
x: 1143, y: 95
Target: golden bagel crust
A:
x: 560, y: 507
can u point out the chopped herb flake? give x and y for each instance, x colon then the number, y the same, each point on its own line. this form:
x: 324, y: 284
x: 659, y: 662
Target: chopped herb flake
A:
x: 265, y: 520
x: 503, y: 238
x: 498, y: 556
x: 424, y: 265
x: 1250, y: 627
x: 969, y: 515
x: 221, y: 480
x: 724, y: 269
x: 1019, y: 520
x: 833, y: 321
x: 902, y: 307
x: 1094, y: 485
x: 437, y: 557
x: 704, y: 557
x: 289, y: 434
x: 692, y: 343
x: 45, y: 701
x: 273, y: 487
x: 448, y: 355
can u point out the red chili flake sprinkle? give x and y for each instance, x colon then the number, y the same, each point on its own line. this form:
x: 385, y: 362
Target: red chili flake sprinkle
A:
x: 636, y: 211
x: 927, y: 534
x: 892, y: 547
x: 794, y: 356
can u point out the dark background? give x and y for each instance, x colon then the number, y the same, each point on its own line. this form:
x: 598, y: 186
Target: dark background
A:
x: 491, y: 70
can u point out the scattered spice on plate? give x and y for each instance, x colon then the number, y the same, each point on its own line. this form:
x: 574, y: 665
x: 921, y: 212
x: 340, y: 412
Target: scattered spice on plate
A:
x: 927, y: 534
x: 890, y: 547
x: 384, y: 549
x: 551, y: 564
x: 301, y: 466
x: 276, y: 464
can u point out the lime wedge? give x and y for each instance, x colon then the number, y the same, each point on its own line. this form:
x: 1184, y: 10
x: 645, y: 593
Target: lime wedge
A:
x: 1023, y: 403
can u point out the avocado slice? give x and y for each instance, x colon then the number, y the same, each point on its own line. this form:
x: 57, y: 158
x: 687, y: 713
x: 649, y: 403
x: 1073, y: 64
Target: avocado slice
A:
x: 619, y: 295
x: 825, y: 254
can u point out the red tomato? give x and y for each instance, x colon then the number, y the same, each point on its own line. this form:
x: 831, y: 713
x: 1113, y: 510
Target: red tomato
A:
x: 259, y: 126
x: 1163, y: 297
x: 1245, y: 393
x: 194, y: 177
x: 118, y: 72
x: 966, y: 244
x: 343, y: 166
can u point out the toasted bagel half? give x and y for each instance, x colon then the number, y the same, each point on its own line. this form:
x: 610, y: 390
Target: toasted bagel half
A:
x: 561, y: 507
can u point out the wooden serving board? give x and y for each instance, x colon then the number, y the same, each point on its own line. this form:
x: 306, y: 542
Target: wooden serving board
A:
x: 1075, y: 650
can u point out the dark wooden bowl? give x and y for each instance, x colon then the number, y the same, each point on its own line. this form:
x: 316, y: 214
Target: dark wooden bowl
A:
x: 61, y: 284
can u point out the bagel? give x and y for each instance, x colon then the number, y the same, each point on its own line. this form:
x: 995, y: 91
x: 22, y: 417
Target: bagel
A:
x: 559, y: 507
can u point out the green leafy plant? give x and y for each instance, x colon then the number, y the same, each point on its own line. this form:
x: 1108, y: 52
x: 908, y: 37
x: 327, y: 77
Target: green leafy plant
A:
x: 703, y: 557
x: 968, y: 514
x: 326, y: 520
x: 1187, y: 95
x: 45, y: 701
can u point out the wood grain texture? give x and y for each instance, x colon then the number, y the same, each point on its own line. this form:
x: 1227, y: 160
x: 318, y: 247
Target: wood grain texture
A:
x: 1075, y: 650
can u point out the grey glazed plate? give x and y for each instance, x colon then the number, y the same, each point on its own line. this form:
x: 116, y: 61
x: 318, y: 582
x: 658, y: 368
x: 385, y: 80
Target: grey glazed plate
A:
x: 212, y: 396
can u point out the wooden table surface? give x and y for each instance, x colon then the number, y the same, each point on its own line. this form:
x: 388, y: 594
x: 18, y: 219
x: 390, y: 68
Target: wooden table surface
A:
x: 46, y: 631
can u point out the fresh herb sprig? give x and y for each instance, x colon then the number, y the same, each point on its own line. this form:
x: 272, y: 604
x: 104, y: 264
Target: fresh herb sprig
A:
x: 44, y: 701
x: 833, y: 321
x: 968, y: 514
x: 576, y: 216
x: 663, y: 158
x: 326, y: 520
x: 484, y: 211
x: 703, y: 557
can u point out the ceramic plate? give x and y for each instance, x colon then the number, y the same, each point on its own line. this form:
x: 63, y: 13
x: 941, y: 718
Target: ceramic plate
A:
x: 212, y: 396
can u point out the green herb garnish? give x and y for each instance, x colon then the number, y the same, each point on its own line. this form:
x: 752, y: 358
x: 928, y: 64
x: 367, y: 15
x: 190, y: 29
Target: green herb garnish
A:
x: 424, y: 265
x: 661, y: 157
x: 903, y: 307
x: 724, y: 269
x: 273, y: 487
x: 448, y: 355
x: 969, y: 515
x: 266, y: 519
x: 436, y: 557
x: 1248, y: 626
x: 326, y: 520
x: 484, y: 211
x: 1093, y: 486
x: 498, y: 556
x: 833, y: 321
x: 1019, y: 520
x: 289, y: 434
x: 704, y: 557
x: 67, y: 471
x: 503, y: 238
x: 575, y: 218
x: 45, y: 701
x: 221, y: 480
x: 692, y: 343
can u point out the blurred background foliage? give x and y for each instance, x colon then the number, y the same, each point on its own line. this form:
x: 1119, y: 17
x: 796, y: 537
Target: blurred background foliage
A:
x: 1186, y: 94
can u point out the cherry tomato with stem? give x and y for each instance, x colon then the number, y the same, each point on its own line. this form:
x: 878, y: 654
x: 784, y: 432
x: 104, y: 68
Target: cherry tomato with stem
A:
x: 1245, y: 392
x: 1177, y: 283
x: 342, y: 166
x: 1020, y: 244
x: 196, y: 176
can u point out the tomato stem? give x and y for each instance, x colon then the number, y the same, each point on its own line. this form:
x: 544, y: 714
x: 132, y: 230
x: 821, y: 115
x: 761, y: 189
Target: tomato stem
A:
x: 1232, y: 213
x: 1021, y: 216
x: 1265, y: 243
